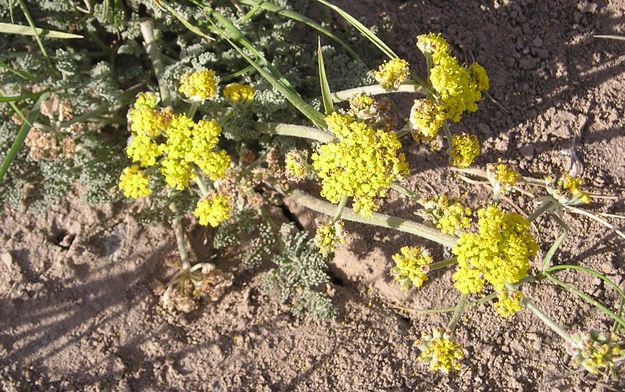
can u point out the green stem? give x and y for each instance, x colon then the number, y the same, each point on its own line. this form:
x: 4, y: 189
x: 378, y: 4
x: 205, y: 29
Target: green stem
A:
x: 375, y: 89
x: 442, y: 264
x: 457, y: 313
x: 184, y: 256
x: 449, y: 138
x: 545, y: 207
x: 376, y: 219
x: 548, y: 321
x: 36, y: 32
x: 193, y: 109
x: 296, y: 131
x: 339, y: 209
x: 201, y: 185
x: 409, y: 194
x: 480, y: 301
x: 147, y: 31
x: 403, y: 132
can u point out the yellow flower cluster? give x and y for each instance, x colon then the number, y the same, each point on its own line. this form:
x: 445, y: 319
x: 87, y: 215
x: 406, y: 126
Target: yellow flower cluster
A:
x: 426, y: 118
x: 134, y: 183
x: 508, y: 304
x: 392, y: 74
x: 238, y: 93
x: 498, y: 254
x: 412, y: 265
x: 329, y: 236
x: 449, y: 216
x: 363, y: 106
x: 501, y: 177
x: 213, y: 210
x: 567, y: 189
x: 295, y: 165
x: 596, y: 351
x: 464, y: 149
x: 174, y: 143
x: 440, y: 351
x: 199, y: 86
x: 458, y: 88
x: 361, y: 164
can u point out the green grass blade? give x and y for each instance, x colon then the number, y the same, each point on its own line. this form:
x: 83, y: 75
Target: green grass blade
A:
x: 267, y: 6
x: 17, y: 98
x: 36, y: 33
x: 556, y: 244
x: 591, y: 272
x: 586, y: 298
x: 326, y: 93
x: 9, y: 28
x: 362, y: 28
x: 616, y: 37
x: 21, y: 135
x: 235, y: 75
x: 184, y: 21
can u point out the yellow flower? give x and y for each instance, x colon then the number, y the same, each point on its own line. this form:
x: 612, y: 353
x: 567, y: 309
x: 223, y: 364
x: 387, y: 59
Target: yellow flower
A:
x: 146, y: 121
x: 392, y: 74
x: 329, y: 236
x: 596, y: 351
x: 296, y: 166
x: 143, y: 150
x: 134, y: 183
x: 199, y: 85
x: 214, y: 210
x: 426, y: 118
x: 499, y: 253
x: 455, y: 87
x: 412, y: 265
x: 567, y: 190
x: 362, y: 164
x: 177, y: 173
x: 363, y: 106
x: 238, y: 93
x: 480, y: 77
x: 440, y: 351
x: 433, y: 45
x: 449, y: 216
x: 508, y: 304
x: 146, y: 99
x: 464, y: 149
x: 214, y: 164
x: 501, y: 177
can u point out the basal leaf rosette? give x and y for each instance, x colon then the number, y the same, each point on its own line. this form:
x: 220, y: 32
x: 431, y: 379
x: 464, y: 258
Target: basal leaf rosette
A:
x: 361, y: 164
x: 498, y: 255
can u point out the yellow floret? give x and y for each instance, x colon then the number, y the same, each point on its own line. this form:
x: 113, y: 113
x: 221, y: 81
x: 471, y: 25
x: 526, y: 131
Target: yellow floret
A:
x: 214, y: 164
x: 499, y: 253
x: 214, y: 210
x: 433, y: 45
x: 177, y: 173
x: 146, y: 121
x: 455, y: 87
x: 449, y: 216
x: 143, y: 150
x: 597, y: 352
x: 464, y: 149
x: 296, y: 167
x: 146, y: 99
x: 426, y: 118
x: 362, y: 164
x: 412, y: 265
x: 134, y: 183
x: 238, y: 93
x: 501, y: 177
x: 199, y: 85
x: 480, y: 77
x: 392, y: 74
x: 508, y: 304
x: 329, y: 236
x: 567, y: 190
x: 441, y: 352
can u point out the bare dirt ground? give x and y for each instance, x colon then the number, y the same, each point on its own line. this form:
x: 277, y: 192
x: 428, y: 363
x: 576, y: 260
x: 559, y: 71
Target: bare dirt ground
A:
x: 77, y: 310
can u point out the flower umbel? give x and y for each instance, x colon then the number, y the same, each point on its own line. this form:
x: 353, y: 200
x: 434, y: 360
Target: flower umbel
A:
x: 213, y: 210
x: 501, y: 177
x: 508, y: 304
x: 134, y: 183
x: 362, y: 164
x: 426, y: 118
x: 412, y: 265
x: 440, y: 351
x: 199, y: 85
x: 596, y: 351
x: 449, y: 216
x: 567, y: 190
x: 329, y: 236
x: 296, y: 166
x: 464, y: 149
x: 238, y: 93
x: 392, y: 74
x: 498, y: 254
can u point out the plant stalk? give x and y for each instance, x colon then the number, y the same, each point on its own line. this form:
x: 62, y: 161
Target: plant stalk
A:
x: 147, y: 31
x: 301, y: 131
x: 376, y: 89
x: 457, y: 313
x: 376, y: 219
x: 184, y: 255
x: 548, y: 321
x: 545, y: 207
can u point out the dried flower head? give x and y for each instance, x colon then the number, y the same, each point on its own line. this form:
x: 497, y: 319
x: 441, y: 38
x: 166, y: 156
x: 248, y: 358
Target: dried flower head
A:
x: 464, y: 149
x: 238, y: 93
x: 597, y: 352
x: 426, y: 118
x: 41, y: 144
x: 392, y: 74
x: 329, y: 236
x: 199, y: 85
x: 449, y: 216
x: 412, y: 265
x: 440, y: 351
x: 499, y: 253
x: 567, y: 190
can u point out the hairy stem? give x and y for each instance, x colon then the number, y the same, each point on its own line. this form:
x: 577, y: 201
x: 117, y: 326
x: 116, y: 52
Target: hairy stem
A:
x: 339, y: 209
x: 184, y: 255
x: 457, y: 313
x: 545, y: 207
x: 376, y: 219
x: 147, y: 31
x: 376, y: 89
x: 548, y: 321
x: 301, y: 131
x: 442, y: 264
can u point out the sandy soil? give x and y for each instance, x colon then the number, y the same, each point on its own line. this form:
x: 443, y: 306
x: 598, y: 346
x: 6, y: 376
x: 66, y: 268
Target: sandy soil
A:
x: 77, y: 310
